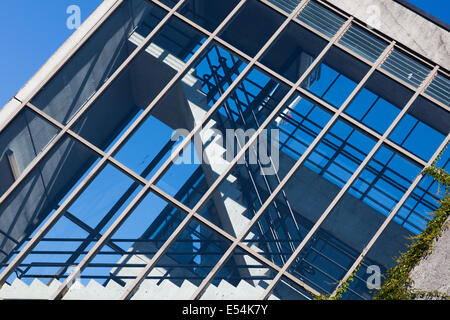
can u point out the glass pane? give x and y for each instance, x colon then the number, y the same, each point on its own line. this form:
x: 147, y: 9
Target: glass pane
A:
x: 286, y: 5
x: 406, y: 68
x: 206, y: 13
x: 422, y: 129
x: 254, y: 24
x: 364, y: 43
x: 321, y: 18
x: 184, y: 266
x: 37, y: 197
x: 20, y: 142
x: 439, y: 89
x: 285, y: 289
x: 379, y: 102
x: 293, y: 52
x: 140, y: 83
x: 131, y: 247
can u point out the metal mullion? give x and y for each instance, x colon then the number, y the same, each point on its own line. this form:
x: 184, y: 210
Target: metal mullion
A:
x: 356, y: 21
x: 275, y: 8
x: 420, y: 200
x: 192, y: 24
x: 277, y: 189
x: 324, y: 131
x: 363, y: 127
x: 130, y: 291
x: 58, y: 213
x: 393, y: 213
x: 412, y: 88
x: 357, y: 172
x: 363, y: 44
x: 90, y: 102
x: 324, y: 105
x: 415, y: 57
x: 354, y: 54
x: 249, y: 251
x: 298, y: 21
x: 148, y: 186
x: 402, y: 66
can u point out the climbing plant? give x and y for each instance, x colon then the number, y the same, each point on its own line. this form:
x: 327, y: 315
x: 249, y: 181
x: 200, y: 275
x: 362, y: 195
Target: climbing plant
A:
x: 399, y: 285
x: 341, y: 289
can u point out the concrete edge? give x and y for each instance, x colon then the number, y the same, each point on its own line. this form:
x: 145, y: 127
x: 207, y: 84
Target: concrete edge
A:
x: 444, y: 25
x: 403, y: 40
x: 13, y: 106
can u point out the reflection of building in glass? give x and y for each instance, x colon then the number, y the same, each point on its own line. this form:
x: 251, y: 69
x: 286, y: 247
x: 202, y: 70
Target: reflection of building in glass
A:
x: 92, y: 206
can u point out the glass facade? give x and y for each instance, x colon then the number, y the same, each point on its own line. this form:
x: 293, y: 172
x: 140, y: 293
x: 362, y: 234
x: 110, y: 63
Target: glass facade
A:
x: 119, y: 177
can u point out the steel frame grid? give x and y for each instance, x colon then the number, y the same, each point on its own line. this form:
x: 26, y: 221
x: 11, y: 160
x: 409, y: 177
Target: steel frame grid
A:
x: 256, y: 63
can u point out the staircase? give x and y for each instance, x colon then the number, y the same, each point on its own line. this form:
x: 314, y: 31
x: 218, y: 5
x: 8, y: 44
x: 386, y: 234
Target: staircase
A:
x: 164, y: 288
x: 149, y: 290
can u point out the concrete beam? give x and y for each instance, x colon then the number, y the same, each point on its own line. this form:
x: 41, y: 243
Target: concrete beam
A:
x: 404, y: 26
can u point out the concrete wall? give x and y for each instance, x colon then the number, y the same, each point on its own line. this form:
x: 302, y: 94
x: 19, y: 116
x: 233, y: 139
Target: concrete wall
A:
x: 404, y: 26
x: 433, y: 272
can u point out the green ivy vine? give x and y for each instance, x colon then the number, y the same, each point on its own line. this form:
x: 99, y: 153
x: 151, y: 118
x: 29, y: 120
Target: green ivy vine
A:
x: 399, y: 285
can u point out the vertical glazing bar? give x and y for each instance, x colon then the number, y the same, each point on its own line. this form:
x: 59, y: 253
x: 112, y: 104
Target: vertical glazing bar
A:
x: 132, y: 288
x: 61, y: 64
x: 62, y: 290
x: 353, y: 177
x: 50, y: 146
x: 293, y: 89
x: 391, y: 216
x: 58, y: 213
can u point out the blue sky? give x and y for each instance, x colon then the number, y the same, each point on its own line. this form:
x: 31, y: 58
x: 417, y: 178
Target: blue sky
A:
x: 32, y: 30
